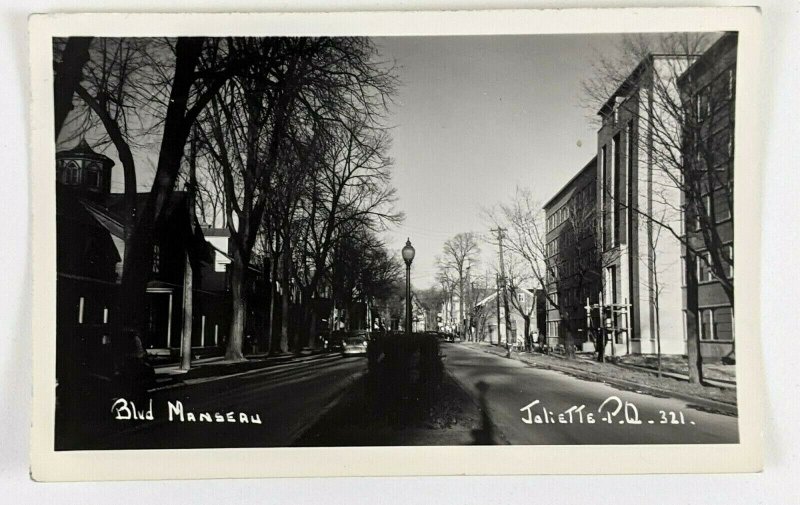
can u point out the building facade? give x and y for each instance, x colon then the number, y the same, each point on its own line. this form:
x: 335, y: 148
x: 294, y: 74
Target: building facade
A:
x: 708, y: 89
x: 638, y: 202
x: 572, y: 258
x: 91, y: 249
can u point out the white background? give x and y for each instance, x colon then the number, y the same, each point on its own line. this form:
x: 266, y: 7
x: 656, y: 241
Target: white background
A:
x: 777, y: 484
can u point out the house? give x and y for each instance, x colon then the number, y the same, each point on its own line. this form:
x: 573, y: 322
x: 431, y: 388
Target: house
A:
x: 573, y: 263
x: 90, y: 255
x: 526, y: 309
x: 708, y: 89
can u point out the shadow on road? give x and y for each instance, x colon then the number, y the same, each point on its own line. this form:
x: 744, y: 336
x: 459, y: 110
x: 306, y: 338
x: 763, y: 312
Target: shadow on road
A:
x: 484, y: 435
x: 404, y: 399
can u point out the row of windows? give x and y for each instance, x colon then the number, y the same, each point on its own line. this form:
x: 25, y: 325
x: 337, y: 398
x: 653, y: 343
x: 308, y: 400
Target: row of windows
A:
x: 552, y: 247
x: 581, y: 199
x: 714, y: 95
x: 715, y: 150
x: 92, y: 174
x: 557, y: 217
x: 716, y: 324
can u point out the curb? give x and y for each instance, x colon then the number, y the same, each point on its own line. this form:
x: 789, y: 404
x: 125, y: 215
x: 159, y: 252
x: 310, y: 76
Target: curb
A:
x: 724, y: 407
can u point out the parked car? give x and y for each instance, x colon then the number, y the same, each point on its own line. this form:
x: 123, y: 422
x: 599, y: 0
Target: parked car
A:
x: 356, y: 344
x: 333, y: 341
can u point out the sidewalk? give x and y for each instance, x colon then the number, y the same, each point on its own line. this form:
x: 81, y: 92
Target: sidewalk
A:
x: 169, y: 375
x: 719, y: 394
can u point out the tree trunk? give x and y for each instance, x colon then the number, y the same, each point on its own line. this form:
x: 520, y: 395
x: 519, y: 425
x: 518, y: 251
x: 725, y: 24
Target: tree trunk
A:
x: 68, y: 77
x: 186, y: 334
x: 284, y: 343
x: 311, y: 322
x: 132, y: 292
x: 527, y: 326
x: 569, y: 342
x: 233, y: 351
x: 271, y: 322
x: 695, y: 364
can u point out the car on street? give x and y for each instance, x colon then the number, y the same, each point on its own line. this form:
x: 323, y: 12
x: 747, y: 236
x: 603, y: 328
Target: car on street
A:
x: 333, y: 341
x: 356, y: 344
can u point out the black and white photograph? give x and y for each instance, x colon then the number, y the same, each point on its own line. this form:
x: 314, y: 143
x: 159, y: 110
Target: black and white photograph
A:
x: 349, y: 241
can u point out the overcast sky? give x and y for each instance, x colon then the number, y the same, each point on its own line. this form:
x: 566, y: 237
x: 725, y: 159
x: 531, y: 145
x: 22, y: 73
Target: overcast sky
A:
x: 474, y: 118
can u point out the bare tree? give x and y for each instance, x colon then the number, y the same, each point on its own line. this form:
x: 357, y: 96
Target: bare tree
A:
x: 447, y: 282
x: 520, y: 281
x: 242, y: 130
x: 111, y: 88
x: 527, y: 241
x: 458, y: 253
x: 685, y: 127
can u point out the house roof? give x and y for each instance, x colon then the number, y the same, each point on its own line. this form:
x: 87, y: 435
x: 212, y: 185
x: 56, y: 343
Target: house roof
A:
x: 494, y: 294
x: 83, y: 150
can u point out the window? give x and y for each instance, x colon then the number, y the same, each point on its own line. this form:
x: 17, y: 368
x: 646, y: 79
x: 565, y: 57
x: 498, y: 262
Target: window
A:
x: 612, y: 277
x: 92, y: 178
x: 716, y: 324
x: 156, y: 259
x: 704, y: 272
x: 729, y: 257
x: 616, y: 187
x: 722, y: 209
x: 521, y: 297
x: 72, y: 173
x: 703, y: 104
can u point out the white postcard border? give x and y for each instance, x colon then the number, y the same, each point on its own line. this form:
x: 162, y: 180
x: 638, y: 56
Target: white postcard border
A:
x: 50, y: 465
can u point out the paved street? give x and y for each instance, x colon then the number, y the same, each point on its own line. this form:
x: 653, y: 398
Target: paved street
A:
x: 287, y: 399
x: 511, y: 385
x: 295, y: 397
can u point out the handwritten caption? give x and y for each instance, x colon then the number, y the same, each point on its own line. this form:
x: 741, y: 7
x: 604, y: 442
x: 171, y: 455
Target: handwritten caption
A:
x: 125, y: 410
x: 613, y: 410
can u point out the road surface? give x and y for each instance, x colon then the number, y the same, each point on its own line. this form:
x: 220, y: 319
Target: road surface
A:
x: 509, y: 386
x: 285, y: 400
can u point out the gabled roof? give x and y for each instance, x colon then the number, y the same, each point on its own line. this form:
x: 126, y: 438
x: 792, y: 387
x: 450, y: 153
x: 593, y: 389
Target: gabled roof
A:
x: 494, y: 294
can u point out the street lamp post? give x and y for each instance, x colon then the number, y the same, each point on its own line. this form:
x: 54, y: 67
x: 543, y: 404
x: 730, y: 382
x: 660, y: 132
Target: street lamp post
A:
x: 408, y: 257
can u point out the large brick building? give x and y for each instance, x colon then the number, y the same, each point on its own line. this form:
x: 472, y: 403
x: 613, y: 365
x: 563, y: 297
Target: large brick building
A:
x: 572, y: 263
x: 708, y: 90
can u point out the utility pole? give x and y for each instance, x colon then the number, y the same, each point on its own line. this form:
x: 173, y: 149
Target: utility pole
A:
x: 500, y: 235
x: 497, y: 299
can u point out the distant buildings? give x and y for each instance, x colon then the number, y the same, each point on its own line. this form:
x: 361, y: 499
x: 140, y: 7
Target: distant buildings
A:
x: 645, y: 212
x: 523, y: 303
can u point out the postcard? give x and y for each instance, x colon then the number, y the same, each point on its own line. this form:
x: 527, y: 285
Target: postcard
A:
x: 396, y: 243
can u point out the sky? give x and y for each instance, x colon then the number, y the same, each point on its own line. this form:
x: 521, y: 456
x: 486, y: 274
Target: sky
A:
x: 475, y: 118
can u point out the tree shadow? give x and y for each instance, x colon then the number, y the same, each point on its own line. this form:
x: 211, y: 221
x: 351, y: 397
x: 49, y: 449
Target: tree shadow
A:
x: 485, y: 434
